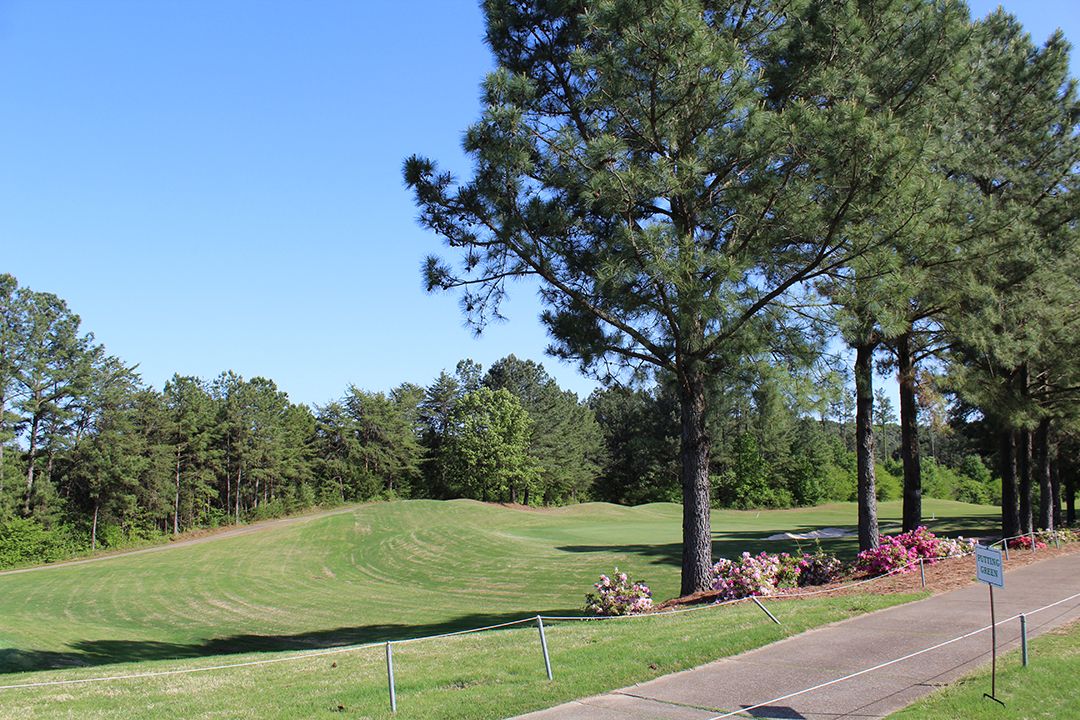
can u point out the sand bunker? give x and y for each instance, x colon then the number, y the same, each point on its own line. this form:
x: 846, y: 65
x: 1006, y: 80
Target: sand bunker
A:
x: 821, y: 534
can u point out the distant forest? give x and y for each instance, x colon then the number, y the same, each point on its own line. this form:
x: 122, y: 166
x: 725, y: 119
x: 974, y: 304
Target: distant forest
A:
x: 92, y: 457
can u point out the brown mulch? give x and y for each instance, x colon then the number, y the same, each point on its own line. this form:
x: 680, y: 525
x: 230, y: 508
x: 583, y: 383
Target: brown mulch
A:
x: 942, y: 576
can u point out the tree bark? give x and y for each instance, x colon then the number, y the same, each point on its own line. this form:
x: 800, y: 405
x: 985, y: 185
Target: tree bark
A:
x: 1010, y: 510
x: 176, y: 499
x: 909, y: 436
x: 31, y: 458
x: 93, y: 527
x: 239, y: 475
x: 864, y: 446
x: 1046, y: 480
x: 1023, y: 469
x: 1056, y: 480
x: 694, y: 458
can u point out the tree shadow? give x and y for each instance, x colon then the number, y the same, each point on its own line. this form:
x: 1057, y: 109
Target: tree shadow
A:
x: 88, y: 653
x: 732, y: 544
x: 729, y: 544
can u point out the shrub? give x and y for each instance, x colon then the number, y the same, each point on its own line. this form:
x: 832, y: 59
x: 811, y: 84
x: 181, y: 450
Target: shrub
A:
x: 24, y: 541
x: 1024, y: 543
x: 954, y: 547
x: 819, y: 569
x: 759, y: 574
x: 888, y: 556
x: 898, y: 552
x: 618, y: 595
x: 888, y: 486
x: 1066, y: 535
x: 972, y: 491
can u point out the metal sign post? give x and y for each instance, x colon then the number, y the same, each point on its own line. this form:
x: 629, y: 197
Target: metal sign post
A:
x: 990, y: 569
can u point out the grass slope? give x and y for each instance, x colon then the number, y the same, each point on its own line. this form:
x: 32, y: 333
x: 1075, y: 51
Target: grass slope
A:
x: 383, y: 572
x: 1048, y: 688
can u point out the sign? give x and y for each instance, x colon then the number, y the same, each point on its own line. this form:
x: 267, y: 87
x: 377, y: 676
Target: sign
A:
x: 988, y: 566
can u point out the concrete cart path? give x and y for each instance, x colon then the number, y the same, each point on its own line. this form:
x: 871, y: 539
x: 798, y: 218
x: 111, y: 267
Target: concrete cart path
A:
x: 838, y: 650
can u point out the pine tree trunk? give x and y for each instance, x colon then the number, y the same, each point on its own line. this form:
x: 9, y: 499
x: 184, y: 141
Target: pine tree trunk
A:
x: 1023, y: 469
x: 93, y: 527
x: 1010, y: 510
x: 694, y: 458
x: 31, y: 460
x: 864, y: 446
x: 1046, y: 480
x: 176, y: 499
x: 239, y: 475
x: 1056, y: 480
x: 909, y: 436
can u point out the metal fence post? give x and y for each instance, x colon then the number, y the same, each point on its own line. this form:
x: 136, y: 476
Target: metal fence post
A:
x: 543, y: 645
x: 390, y: 676
x: 765, y: 609
x: 1005, y: 544
x: 1023, y: 639
x: 922, y: 572
x: 1032, y: 535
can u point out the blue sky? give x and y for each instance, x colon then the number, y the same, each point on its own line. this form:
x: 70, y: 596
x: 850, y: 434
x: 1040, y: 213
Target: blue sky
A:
x: 215, y: 184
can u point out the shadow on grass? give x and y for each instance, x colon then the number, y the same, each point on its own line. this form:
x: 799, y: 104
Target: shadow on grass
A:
x: 87, y: 653
x: 731, y: 544
x: 727, y: 544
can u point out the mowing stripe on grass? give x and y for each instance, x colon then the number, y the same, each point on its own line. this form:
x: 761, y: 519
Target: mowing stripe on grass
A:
x: 469, y: 631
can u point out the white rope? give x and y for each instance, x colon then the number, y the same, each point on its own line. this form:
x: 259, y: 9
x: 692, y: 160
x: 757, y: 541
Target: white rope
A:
x: 965, y: 636
x: 252, y: 663
x: 188, y: 671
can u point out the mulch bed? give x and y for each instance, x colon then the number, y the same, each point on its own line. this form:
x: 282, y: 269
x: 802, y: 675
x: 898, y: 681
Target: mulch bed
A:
x: 942, y: 576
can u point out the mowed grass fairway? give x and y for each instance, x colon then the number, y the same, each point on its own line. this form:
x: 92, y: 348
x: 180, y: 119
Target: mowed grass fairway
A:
x: 391, y: 571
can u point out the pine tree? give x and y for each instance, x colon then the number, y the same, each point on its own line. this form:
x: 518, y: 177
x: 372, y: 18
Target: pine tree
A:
x: 1014, y: 329
x: 672, y: 177
x: 565, y: 439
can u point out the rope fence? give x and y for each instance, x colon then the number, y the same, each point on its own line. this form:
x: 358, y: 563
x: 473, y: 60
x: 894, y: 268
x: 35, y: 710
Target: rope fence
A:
x: 819, y: 686
x: 539, y: 620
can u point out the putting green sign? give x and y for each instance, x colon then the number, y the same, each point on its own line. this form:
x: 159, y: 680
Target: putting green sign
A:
x: 988, y: 566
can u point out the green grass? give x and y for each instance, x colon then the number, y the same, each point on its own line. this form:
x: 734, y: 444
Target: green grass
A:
x: 1048, y: 688
x: 384, y: 572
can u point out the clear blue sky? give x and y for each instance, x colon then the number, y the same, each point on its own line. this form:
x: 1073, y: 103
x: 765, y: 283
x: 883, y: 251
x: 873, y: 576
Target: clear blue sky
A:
x: 215, y: 184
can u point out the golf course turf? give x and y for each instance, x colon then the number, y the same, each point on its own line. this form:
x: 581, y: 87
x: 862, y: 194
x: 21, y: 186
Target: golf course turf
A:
x: 392, y: 571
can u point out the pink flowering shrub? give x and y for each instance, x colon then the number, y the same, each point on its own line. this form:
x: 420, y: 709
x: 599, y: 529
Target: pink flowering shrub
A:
x: 900, y: 552
x: 618, y: 595
x: 1024, y: 543
x: 819, y: 569
x: 759, y: 574
x: 889, y: 555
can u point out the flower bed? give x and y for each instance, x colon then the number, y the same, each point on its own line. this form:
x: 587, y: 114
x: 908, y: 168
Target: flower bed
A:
x: 900, y: 553
x: 1024, y: 543
x: 618, y: 595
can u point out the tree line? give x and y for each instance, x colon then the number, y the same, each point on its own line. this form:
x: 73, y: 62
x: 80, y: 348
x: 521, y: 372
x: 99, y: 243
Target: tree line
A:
x: 701, y: 185
x: 92, y: 456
